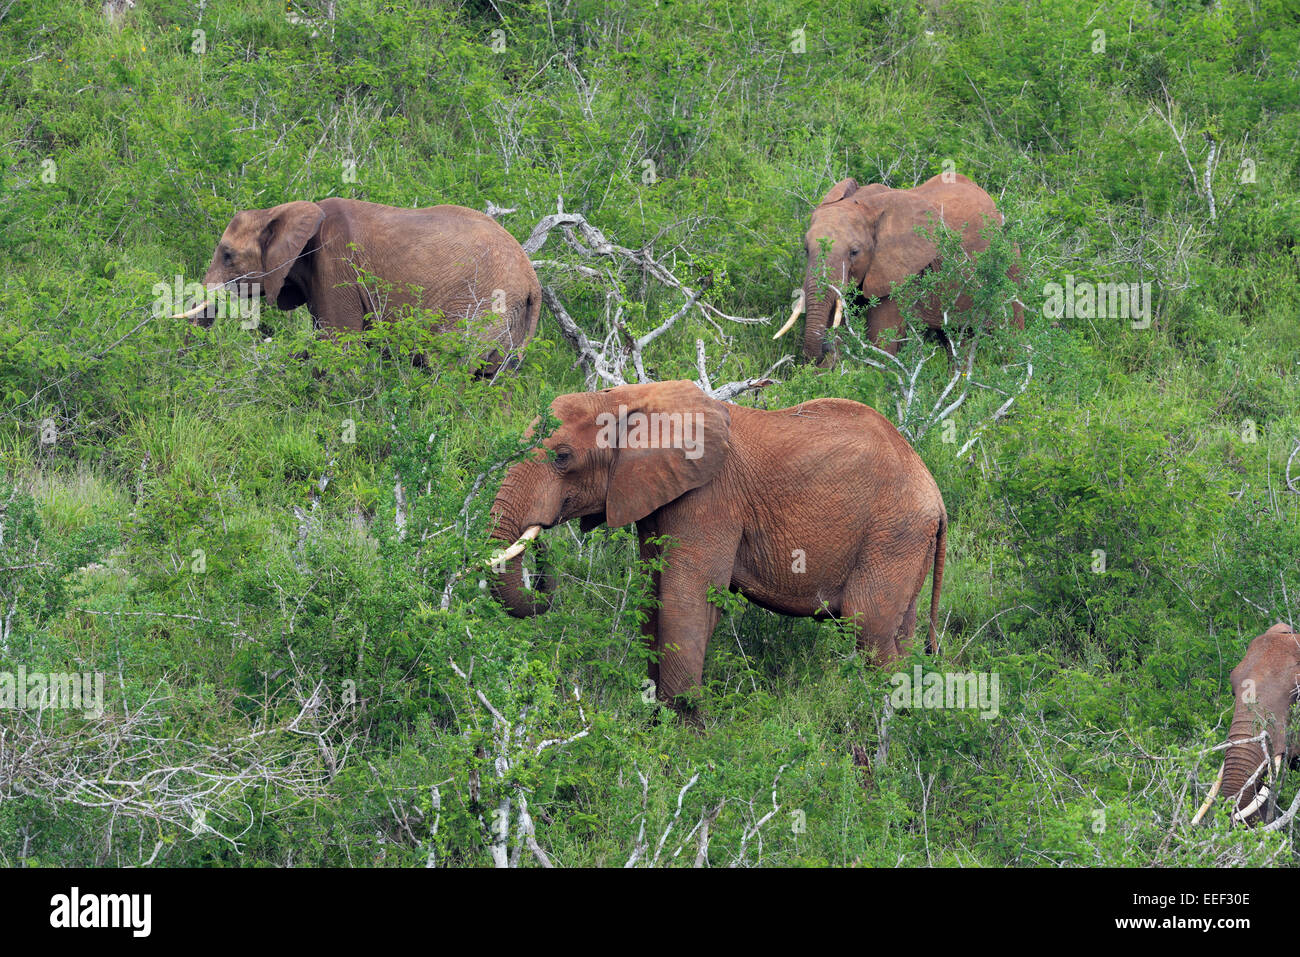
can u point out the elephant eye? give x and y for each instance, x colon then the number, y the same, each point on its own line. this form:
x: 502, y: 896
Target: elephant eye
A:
x: 855, y: 250
x: 226, y: 256
x: 562, y: 459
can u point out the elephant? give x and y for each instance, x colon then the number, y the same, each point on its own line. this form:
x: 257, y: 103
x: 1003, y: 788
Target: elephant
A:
x: 874, y: 244
x: 1264, y: 686
x: 328, y: 256
x: 819, y: 510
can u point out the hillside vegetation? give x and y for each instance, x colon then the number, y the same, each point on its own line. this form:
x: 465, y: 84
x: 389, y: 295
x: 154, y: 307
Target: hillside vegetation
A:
x: 271, y: 544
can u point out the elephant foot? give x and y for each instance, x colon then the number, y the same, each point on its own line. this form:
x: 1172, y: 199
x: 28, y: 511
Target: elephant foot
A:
x: 688, y: 706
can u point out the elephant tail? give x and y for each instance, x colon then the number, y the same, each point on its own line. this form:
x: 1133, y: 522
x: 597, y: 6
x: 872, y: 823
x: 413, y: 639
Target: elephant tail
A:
x: 940, y: 551
x: 533, y: 312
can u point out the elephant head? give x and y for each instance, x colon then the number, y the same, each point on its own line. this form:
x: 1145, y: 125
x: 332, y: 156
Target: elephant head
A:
x: 258, y: 250
x: 617, y: 456
x: 873, y: 242
x: 1264, y: 686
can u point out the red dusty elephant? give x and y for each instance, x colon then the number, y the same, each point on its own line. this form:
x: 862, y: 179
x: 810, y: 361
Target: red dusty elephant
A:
x: 875, y: 242
x: 1264, y: 686
x: 352, y: 262
x: 820, y: 510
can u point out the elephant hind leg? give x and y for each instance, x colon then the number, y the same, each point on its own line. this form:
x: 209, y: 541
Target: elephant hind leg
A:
x: 880, y: 620
x: 884, y: 605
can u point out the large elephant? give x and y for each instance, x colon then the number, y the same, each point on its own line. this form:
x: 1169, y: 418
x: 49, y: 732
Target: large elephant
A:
x: 874, y: 243
x: 351, y: 262
x: 1264, y: 686
x: 820, y: 510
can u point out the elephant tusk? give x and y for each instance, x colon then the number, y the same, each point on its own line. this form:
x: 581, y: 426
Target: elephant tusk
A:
x: 1214, y: 792
x: 798, y: 308
x: 1260, y: 797
x: 196, y: 311
x: 1277, y: 765
x: 839, y: 312
x: 531, y: 532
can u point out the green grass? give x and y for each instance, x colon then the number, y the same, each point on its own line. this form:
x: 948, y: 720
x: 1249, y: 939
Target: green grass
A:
x: 209, y: 531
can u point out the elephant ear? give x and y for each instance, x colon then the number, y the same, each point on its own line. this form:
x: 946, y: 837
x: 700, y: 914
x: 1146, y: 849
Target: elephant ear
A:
x: 841, y: 190
x: 288, y: 229
x: 670, y: 438
x: 900, y: 251
x: 1288, y: 641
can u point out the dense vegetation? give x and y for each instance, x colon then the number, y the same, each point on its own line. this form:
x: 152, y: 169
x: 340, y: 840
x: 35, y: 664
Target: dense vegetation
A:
x: 212, y: 521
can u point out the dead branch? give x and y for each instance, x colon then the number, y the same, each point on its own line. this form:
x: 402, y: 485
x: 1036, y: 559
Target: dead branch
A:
x: 616, y: 356
x: 730, y: 390
x: 907, y: 420
x: 1205, y: 191
x: 755, y: 830
x: 510, y: 746
x: 640, y: 847
x: 593, y: 243
x: 1001, y: 410
x: 133, y: 766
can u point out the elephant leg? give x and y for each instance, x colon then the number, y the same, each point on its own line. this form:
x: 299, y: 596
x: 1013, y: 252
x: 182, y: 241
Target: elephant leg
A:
x: 491, y: 365
x: 885, y: 326
x: 882, y: 598
x: 686, y: 620
x: 650, y: 627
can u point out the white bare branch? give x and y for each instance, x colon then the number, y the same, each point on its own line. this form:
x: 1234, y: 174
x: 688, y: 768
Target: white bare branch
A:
x: 617, y: 356
x: 730, y: 390
x: 1169, y: 116
x: 135, y: 767
x: 593, y: 243
x: 1001, y: 410
x: 510, y: 747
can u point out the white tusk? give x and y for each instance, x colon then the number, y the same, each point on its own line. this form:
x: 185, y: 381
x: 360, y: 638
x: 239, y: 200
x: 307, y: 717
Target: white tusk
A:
x: 196, y: 311
x: 1214, y: 792
x: 1277, y: 765
x: 839, y: 312
x: 531, y: 532
x: 798, y: 308
x: 1260, y: 797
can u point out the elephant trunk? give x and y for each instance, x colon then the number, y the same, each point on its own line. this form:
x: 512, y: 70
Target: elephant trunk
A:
x: 818, y: 302
x: 1240, y: 765
x: 508, y: 576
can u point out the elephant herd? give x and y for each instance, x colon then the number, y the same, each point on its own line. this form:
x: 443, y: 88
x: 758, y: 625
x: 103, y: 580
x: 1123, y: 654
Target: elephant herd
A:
x: 352, y: 263
x: 819, y: 510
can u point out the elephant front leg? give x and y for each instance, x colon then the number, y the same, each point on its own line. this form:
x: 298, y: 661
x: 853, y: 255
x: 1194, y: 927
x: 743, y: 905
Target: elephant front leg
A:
x: 885, y: 326
x: 650, y: 627
x: 686, y: 620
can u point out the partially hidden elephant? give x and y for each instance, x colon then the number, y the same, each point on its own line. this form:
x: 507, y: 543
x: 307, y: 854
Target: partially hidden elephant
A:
x: 874, y: 243
x: 821, y: 510
x: 1264, y: 686
x: 352, y: 262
